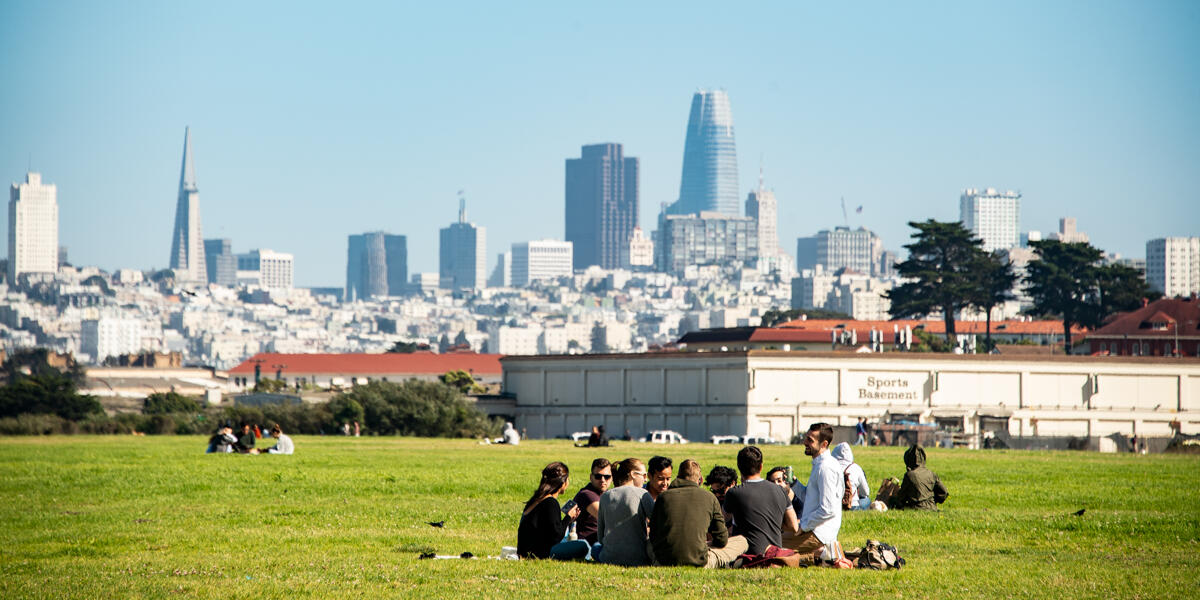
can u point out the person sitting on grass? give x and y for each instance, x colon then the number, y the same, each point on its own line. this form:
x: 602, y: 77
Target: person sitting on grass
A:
x: 598, y: 437
x: 542, y: 523
x: 222, y: 441
x: 624, y: 514
x: 720, y: 480
x: 683, y: 515
x: 822, y: 515
x: 245, y: 441
x: 588, y: 499
x: 778, y: 476
x: 858, y: 479
x: 283, y: 443
x: 921, y: 488
x: 761, y: 511
x: 660, y: 476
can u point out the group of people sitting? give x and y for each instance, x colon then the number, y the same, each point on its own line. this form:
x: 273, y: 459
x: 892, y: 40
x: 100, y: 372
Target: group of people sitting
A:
x: 633, y: 513
x: 224, y: 441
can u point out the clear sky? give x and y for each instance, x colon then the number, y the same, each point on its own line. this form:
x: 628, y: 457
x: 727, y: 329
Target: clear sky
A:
x: 314, y: 121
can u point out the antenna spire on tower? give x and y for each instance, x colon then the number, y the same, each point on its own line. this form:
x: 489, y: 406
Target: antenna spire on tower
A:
x: 462, y: 206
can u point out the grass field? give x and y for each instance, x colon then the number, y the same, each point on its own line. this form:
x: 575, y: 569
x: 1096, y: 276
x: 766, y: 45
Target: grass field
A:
x: 101, y: 517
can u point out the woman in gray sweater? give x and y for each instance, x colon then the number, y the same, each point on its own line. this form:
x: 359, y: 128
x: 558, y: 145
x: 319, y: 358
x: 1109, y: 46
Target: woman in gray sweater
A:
x: 624, y: 517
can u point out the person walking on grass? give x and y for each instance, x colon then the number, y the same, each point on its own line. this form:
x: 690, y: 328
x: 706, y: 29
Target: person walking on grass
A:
x: 542, y: 522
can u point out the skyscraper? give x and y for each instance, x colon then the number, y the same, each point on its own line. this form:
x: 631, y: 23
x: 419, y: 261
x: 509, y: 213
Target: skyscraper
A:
x: 32, y: 227
x: 704, y: 239
x: 993, y: 216
x: 601, y: 204
x: 187, y: 245
x: 710, y: 179
x: 858, y: 250
x: 220, y: 262
x: 376, y: 265
x: 462, y: 254
x: 761, y: 206
x: 1173, y: 265
x: 540, y: 259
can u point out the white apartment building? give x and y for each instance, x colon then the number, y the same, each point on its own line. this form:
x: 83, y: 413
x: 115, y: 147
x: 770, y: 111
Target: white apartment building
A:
x: 540, y: 259
x: 273, y: 270
x: 520, y: 341
x: 1173, y: 265
x: 108, y: 336
x: 993, y: 216
x: 762, y: 207
x: 640, y: 252
x: 811, y: 288
x: 861, y: 298
x: 32, y: 227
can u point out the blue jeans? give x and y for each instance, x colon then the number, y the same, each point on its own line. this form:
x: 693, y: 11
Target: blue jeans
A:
x: 569, y: 550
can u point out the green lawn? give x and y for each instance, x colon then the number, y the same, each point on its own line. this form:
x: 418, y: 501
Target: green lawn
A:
x: 98, y: 517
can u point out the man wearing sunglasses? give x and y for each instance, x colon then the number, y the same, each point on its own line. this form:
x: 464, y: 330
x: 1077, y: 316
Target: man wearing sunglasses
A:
x: 588, y: 499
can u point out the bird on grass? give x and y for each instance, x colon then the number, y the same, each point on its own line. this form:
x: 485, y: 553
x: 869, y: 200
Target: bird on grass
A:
x: 1079, y: 513
x: 437, y: 523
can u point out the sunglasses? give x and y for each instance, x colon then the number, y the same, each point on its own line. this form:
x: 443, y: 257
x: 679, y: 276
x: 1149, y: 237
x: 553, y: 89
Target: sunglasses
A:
x: 639, y: 473
x: 601, y: 476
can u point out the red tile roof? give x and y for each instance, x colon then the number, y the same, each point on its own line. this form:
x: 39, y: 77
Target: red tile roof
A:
x: 1183, y: 313
x: 356, y: 364
x: 1042, y: 327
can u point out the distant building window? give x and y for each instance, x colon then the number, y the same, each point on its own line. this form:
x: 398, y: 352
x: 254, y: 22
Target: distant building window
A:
x: 1102, y: 347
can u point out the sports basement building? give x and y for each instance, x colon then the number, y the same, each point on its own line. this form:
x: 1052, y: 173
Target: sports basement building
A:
x: 776, y: 393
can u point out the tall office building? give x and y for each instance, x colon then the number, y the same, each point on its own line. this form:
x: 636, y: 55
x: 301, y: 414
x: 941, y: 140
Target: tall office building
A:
x: 761, y: 206
x: 462, y: 254
x: 376, y: 265
x: 993, y: 216
x: 266, y: 268
x: 639, y: 251
x: 857, y: 250
x: 1068, y: 232
x: 187, y: 245
x: 540, y: 259
x: 32, y: 227
x: 220, y: 262
x: 601, y: 204
x: 704, y: 239
x: 502, y: 274
x: 1173, y: 265
x: 710, y: 179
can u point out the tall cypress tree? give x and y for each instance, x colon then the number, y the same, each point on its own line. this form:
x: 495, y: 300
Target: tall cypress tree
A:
x: 1064, y: 281
x: 941, y: 270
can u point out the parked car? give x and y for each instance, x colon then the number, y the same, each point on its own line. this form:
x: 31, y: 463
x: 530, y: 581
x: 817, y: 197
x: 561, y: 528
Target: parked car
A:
x: 761, y: 440
x: 664, y: 436
x: 726, y: 439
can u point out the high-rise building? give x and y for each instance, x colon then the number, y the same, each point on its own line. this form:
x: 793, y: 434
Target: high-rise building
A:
x: 704, y: 239
x: 639, y: 250
x: 761, y: 206
x: 187, y: 245
x: 993, y: 216
x: 266, y: 268
x: 858, y: 250
x: 32, y: 227
x: 601, y: 204
x: 540, y: 259
x: 1067, y: 232
x: 1173, y: 265
x: 220, y: 262
x: 502, y: 274
x: 462, y: 254
x: 376, y: 265
x: 710, y: 178
x: 107, y: 336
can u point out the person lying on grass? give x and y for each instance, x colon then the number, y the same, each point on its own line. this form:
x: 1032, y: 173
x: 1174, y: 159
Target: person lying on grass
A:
x: 542, y: 523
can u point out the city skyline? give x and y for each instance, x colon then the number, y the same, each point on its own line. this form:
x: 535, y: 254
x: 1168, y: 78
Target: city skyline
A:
x: 1087, y: 111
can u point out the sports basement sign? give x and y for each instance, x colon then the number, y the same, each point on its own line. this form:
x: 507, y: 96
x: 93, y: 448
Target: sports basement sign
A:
x: 904, y: 388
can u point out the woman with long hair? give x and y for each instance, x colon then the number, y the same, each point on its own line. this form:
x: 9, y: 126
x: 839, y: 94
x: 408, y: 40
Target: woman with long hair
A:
x: 542, y: 523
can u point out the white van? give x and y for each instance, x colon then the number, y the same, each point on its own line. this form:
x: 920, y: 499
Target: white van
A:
x: 665, y: 436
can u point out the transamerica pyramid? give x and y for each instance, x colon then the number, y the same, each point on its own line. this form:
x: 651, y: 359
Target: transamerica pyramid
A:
x: 187, y: 244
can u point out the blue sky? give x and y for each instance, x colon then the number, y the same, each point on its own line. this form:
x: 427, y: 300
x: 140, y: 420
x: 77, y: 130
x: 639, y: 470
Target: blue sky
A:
x: 314, y: 121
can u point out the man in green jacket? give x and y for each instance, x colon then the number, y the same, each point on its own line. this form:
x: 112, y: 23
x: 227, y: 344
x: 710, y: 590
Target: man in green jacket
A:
x: 921, y: 488
x: 684, y: 515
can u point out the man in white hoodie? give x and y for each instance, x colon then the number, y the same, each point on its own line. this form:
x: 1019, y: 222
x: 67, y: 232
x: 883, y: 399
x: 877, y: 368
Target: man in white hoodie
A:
x: 858, y: 479
x: 822, y: 516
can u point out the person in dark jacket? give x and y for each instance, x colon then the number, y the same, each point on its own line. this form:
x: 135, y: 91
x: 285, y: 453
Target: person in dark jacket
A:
x: 683, y: 516
x: 921, y: 488
x: 543, y: 524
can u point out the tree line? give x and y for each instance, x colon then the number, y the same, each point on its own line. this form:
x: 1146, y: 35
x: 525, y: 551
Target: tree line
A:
x: 38, y: 398
x: 947, y: 271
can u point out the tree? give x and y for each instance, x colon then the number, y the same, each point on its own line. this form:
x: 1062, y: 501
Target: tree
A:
x: 1122, y: 289
x: 34, y: 386
x: 941, y: 273
x: 160, y: 403
x: 462, y: 381
x: 269, y: 386
x: 405, y: 347
x: 1064, y: 281
x: 994, y: 286
x: 775, y: 317
x: 416, y: 408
